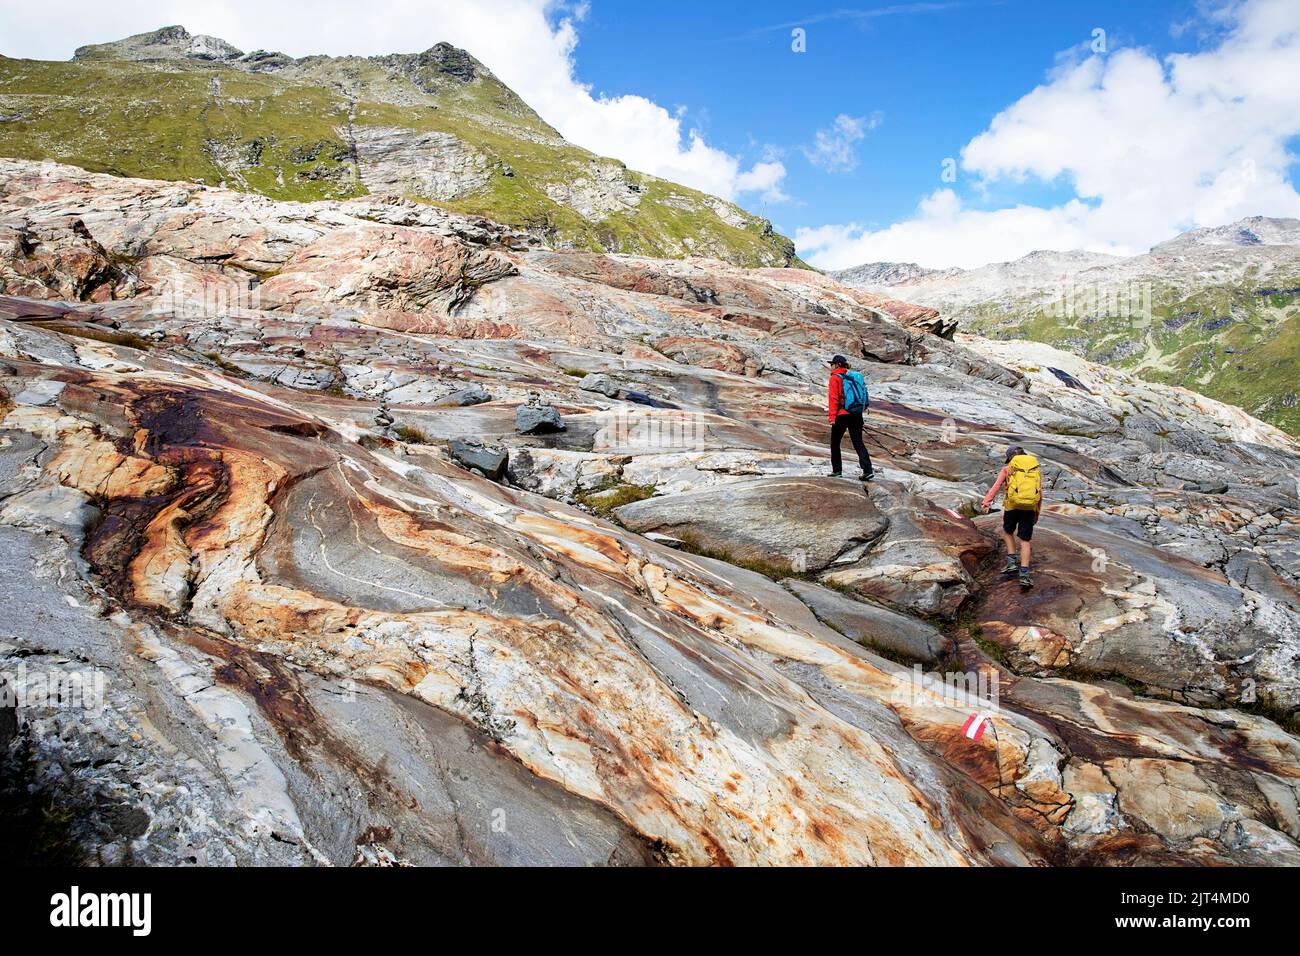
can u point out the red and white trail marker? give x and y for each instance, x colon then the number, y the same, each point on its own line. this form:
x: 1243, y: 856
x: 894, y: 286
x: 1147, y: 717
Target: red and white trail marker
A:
x: 975, y: 726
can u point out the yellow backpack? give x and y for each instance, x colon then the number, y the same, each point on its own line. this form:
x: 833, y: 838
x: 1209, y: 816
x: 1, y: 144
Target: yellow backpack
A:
x: 1024, y: 484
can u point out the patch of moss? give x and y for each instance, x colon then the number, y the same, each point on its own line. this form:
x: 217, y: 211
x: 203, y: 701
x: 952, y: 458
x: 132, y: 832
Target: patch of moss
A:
x: 1268, y: 707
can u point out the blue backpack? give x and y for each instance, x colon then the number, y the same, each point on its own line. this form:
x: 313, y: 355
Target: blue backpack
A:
x: 856, y: 399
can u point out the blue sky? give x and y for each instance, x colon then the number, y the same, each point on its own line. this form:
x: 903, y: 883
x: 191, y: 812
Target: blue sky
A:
x: 1187, y: 115
x: 932, y: 76
x: 935, y: 78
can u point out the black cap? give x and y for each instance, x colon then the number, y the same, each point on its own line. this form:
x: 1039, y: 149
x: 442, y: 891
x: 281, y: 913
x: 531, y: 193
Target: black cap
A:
x: 1013, y: 451
x: 839, y: 360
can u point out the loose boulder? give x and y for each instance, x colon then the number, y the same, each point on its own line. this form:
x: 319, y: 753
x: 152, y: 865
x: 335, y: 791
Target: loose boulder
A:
x: 473, y: 455
x: 465, y: 397
x: 600, y: 383
x: 538, y: 420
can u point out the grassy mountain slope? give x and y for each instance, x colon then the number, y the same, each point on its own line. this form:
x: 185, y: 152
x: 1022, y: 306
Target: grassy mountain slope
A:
x: 1237, y: 342
x: 436, y: 126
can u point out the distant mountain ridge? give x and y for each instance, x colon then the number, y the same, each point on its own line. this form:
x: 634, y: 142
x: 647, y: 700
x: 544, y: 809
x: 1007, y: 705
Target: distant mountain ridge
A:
x: 1214, y: 309
x: 436, y: 126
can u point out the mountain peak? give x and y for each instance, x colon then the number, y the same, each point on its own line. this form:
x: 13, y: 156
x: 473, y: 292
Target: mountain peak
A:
x: 441, y: 59
x: 168, y: 43
x: 1251, y: 231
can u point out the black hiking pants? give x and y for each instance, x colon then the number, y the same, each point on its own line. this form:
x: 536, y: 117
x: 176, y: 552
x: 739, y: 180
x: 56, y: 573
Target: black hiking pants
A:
x: 852, y: 423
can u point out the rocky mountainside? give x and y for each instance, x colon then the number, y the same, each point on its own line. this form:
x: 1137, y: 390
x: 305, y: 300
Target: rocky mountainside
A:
x: 436, y: 126
x: 1217, y: 310
x: 393, y: 539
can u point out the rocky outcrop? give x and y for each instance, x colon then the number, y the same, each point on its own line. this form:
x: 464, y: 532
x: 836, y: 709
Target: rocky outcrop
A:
x: 662, y: 634
x: 174, y: 42
x: 432, y: 165
x: 604, y: 190
x: 874, y: 625
x: 55, y: 260
x: 383, y: 269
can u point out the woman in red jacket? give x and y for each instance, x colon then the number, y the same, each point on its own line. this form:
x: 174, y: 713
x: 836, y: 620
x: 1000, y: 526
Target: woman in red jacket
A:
x: 844, y: 421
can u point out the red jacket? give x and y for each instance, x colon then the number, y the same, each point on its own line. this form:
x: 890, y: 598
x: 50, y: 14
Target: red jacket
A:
x: 835, y: 402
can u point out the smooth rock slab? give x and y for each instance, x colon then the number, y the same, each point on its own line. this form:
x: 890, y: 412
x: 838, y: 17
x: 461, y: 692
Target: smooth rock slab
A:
x: 871, y: 624
x: 42, y: 392
x: 799, y: 523
x: 923, y: 563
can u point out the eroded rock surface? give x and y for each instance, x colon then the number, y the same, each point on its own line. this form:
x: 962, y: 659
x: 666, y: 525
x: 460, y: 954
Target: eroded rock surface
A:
x: 662, y: 635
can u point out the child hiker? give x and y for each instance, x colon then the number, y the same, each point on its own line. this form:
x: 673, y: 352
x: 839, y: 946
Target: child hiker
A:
x: 1020, y: 509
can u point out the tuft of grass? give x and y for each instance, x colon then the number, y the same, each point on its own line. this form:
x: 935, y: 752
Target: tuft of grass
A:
x: 991, y: 650
x: 412, y: 435
x: 769, y: 569
x: 845, y: 589
x: 888, y: 653
x: 230, y: 368
x: 576, y: 372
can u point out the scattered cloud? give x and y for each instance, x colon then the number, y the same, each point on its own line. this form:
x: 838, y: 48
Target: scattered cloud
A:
x: 530, y: 44
x: 1149, y: 147
x: 861, y: 15
x: 835, y: 149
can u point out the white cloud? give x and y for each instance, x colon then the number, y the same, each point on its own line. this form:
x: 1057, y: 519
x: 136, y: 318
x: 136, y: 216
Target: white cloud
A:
x: 1149, y: 147
x: 944, y: 233
x: 835, y: 149
x: 764, y: 178
x: 531, y: 52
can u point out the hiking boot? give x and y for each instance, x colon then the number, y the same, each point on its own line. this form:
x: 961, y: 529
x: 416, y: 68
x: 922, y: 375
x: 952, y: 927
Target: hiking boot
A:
x: 836, y: 474
x: 1012, y: 566
x: 1026, y: 579
x: 867, y: 476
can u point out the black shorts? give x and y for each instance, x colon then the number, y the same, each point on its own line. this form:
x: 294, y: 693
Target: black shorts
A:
x: 1020, y: 523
